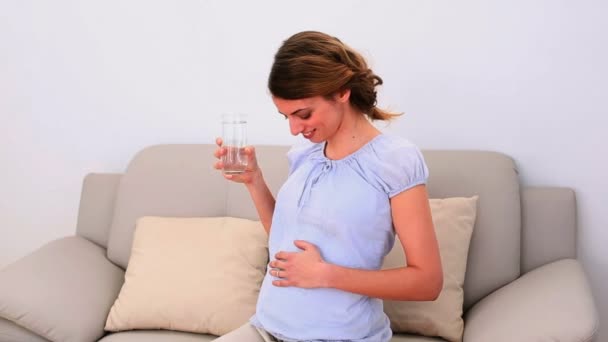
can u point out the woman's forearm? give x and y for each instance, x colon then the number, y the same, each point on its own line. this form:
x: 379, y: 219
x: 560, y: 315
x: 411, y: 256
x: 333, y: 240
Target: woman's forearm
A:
x: 263, y: 200
x: 405, y: 283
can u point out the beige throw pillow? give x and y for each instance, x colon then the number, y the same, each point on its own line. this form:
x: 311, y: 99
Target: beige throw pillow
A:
x: 199, y: 275
x: 454, y: 219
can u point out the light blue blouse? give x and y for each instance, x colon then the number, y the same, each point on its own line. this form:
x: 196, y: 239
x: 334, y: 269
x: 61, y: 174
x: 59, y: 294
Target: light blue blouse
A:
x: 342, y: 207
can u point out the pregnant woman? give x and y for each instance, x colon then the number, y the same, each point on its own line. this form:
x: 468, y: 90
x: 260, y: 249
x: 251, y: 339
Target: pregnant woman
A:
x: 350, y: 189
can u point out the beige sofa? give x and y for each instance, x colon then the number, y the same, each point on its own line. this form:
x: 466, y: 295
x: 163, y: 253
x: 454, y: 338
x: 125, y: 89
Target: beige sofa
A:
x: 523, y: 281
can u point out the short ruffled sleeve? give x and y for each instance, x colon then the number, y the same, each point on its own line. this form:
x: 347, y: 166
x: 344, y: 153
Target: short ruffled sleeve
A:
x: 396, y: 165
x: 297, y: 154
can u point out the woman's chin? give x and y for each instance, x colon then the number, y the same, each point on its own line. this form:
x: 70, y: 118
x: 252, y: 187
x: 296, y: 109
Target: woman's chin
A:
x: 315, y: 139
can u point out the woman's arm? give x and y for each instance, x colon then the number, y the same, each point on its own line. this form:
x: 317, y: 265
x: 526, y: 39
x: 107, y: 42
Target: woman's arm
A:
x: 420, y: 280
x: 253, y: 180
x: 262, y: 199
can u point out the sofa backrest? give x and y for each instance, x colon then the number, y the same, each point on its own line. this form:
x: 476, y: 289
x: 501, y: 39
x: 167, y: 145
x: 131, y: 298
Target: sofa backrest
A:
x: 494, y: 253
x: 178, y: 180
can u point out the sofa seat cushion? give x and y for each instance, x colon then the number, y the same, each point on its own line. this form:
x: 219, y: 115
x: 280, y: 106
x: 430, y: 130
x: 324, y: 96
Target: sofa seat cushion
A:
x: 176, y: 336
x: 415, y: 338
x: 157, y: 336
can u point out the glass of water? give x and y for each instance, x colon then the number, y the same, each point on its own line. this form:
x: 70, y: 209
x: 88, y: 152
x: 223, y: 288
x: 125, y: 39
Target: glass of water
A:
x: 234, y: 134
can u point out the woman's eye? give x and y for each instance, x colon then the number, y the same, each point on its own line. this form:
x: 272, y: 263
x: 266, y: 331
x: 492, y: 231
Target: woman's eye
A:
x: 301, y: 116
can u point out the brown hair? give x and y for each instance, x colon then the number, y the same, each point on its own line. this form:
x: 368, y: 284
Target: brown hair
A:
x: 313, y: 63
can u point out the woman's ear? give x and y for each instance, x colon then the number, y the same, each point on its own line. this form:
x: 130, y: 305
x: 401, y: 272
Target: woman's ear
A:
x: 343, y: 95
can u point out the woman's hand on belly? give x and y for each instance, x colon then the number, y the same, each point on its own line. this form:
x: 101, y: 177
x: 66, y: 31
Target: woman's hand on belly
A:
x: 305, y: 269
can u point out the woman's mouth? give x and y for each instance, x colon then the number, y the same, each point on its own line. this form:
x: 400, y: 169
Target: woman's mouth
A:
x: 309, y: 134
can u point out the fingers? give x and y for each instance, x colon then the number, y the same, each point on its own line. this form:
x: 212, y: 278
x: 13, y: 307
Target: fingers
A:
x: 281, y: 283
x: 303, y: 245
x: 282, y: 278
x: 277, y: 273
x: 282, y: 256
x: 219, y: 152
x: 278, y: 269
x: 278, y: 264
x: 281, y: 274
x: 250, y: 153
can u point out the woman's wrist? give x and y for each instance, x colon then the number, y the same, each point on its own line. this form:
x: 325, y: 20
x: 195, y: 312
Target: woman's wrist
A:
x: 256, y: 179
x: 328, y: 274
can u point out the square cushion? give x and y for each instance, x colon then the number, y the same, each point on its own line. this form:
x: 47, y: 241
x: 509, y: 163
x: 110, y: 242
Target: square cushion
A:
x: 453, y: 219
x: 197, y: 275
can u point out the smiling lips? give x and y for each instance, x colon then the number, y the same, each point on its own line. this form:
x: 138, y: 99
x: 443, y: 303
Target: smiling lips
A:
x: 308, y: 134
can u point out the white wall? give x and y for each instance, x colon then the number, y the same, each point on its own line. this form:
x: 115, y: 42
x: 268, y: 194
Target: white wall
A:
x: 84, y: 85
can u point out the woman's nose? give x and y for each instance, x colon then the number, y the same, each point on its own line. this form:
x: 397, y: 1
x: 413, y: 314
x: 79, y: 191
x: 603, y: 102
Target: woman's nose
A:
x: 295, y: 126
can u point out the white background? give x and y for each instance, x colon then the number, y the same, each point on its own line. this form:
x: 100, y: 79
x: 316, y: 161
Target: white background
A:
x: 84, y: 85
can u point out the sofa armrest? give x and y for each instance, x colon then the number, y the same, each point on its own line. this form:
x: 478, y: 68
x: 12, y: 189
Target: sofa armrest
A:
x: 552, y: 302
x: 97, y: 206
x: 548, y: 226
x: 62, y: 292
x: 11, y: 332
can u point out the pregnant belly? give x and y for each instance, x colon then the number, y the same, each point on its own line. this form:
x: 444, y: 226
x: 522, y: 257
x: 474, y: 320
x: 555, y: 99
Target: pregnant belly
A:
x: 313, y: 313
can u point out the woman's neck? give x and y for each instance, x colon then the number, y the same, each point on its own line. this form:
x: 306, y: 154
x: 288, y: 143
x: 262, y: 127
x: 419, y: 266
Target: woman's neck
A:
x: 354, y: 132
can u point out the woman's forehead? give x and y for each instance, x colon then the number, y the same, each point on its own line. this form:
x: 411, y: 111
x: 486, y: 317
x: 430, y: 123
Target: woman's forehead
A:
x: 287, y: 107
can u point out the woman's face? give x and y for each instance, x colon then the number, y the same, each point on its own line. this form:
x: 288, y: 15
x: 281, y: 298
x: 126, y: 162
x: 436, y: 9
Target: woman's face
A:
x: 316, y: 118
